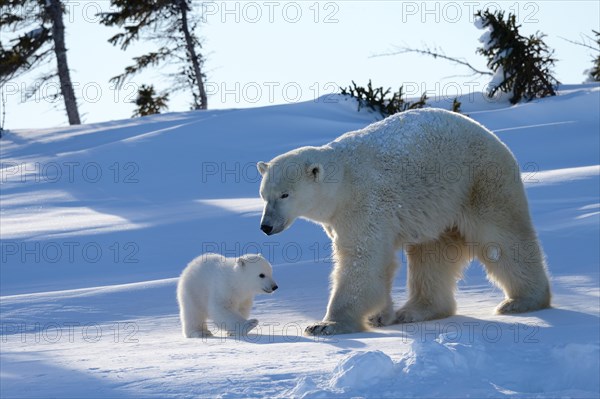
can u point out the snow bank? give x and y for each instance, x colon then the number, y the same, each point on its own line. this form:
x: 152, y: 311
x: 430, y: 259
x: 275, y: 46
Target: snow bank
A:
x: 361, y: 370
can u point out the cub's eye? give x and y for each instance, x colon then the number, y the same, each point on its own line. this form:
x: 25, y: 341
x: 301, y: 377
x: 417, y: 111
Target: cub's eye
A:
x: 261, y: 275
x: 284, y: 196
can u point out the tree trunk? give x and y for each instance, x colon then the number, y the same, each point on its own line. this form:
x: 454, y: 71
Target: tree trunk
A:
x: 54, y: 8
x: 189, y: 42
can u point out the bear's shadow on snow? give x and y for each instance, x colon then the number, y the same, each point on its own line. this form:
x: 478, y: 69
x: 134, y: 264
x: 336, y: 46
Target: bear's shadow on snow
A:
x: 292, y: 337
x: 341, y: 341
x: 265, y: 338
x: 523, y: 327
x: 559, y: 316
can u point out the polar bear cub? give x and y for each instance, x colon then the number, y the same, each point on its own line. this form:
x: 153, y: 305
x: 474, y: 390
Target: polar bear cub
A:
x: 221, y: 289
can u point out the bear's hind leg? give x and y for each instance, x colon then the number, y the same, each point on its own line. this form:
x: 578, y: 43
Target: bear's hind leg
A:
x: 245, y: 308
x: 514, y: 261
x: 433, y: 269
x: 193, y: 322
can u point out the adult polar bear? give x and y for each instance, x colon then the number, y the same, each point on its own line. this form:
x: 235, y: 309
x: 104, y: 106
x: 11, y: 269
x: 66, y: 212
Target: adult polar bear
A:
x: 433, y: 182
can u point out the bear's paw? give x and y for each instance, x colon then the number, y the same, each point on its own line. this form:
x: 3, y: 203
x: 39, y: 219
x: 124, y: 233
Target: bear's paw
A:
x: 321, y: 328
x: 521, y: 305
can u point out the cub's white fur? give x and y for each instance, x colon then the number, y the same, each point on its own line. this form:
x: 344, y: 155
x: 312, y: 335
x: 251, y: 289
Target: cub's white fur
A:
x: 221, y: 289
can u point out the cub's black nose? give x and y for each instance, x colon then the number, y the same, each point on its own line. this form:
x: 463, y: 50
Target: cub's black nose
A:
x: 274, y: 287
x: 266, y: 228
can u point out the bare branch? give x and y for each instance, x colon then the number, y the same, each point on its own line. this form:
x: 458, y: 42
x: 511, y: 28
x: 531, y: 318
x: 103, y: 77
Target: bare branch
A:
x: 435, y: 54
x: 582, y: 44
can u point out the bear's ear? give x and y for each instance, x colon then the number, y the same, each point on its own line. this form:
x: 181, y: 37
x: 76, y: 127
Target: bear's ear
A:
x: 315, y: 172
x: 240, y: 262
x: 262, y: 167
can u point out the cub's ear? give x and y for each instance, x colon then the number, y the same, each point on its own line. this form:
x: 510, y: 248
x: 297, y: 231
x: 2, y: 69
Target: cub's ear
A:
x: 240, y: 262
x: 315, y: 172
x: 262, y: 167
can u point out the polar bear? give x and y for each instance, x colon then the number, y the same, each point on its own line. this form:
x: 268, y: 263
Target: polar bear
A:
x: 222, y: 289
x: 434, y: 183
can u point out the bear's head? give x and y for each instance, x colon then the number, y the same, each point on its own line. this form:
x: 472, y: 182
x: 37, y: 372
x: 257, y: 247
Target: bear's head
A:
x: 300, y: 183
x: 257, y: 273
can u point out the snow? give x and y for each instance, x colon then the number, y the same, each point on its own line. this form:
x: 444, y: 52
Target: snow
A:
x: 362, y: 370
x: 487, y: 43
x: 479, y: 23
x: 89, y: 263
x: 486, y: 39
x: 35, y: 33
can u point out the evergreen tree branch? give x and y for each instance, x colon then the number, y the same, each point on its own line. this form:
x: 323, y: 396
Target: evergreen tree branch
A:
x: 141, y: 62
x: 24, y: 54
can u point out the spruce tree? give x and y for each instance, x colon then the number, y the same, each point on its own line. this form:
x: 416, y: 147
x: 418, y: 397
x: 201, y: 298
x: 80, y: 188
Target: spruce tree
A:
x: 378, y: 99
x: 148, y: 102
x: 522, y: 65
x: 168, y: 23
x: 42, y: 37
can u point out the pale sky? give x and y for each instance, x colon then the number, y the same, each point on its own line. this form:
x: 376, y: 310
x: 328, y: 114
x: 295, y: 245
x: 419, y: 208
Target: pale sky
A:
x: 274, y: 52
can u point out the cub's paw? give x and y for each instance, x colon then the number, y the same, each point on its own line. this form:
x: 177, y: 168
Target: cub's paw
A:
x: 242, y: 329
x: 321, y: 328
x: 250, y: 324
x: 198, y: 334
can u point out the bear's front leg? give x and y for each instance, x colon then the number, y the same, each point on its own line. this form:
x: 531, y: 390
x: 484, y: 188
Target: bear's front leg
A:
x: 387, y: 315
x: 359, y: 289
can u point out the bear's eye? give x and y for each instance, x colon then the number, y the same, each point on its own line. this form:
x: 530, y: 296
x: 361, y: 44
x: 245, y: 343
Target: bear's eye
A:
x: 284, y: 196
x: 261, y: 275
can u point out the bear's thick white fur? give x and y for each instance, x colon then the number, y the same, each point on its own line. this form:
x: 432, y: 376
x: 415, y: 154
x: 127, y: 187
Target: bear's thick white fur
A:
x: 431, y: 182
x: 221, y: 289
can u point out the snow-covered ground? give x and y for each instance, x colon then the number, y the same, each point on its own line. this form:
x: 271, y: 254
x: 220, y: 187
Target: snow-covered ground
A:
x: 98, y: 221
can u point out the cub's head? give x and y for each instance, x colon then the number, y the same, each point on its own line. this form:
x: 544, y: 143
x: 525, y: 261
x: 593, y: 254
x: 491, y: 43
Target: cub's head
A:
x: 257, y: 273
x: 293, y: 185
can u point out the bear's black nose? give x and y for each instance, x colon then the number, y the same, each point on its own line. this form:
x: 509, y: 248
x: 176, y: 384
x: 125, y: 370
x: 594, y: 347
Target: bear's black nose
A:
x: 274, y: 287
x: 266, y: 228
